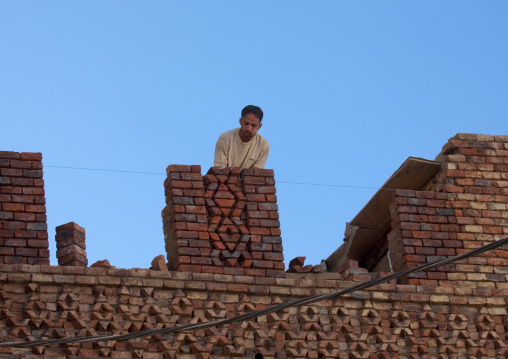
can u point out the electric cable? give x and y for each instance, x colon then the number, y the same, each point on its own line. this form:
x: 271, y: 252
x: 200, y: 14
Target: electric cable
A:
x: 266, y: 311
x: 226, y: 179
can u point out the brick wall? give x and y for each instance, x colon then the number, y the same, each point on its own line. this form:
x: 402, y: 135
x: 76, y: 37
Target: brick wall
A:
x: 221, y: 231
x: 23, y: 229
x: 464, y: 207
x: 387, y: 321
x: 224, y: 222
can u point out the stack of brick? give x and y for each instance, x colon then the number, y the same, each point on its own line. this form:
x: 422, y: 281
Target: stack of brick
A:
x: 225, y: 222
x: 70, y: 245
x: 263, y: 222
x: 297, y: 265
x: 184, y: 219
x: 464, y: 207
x: 23, y: 229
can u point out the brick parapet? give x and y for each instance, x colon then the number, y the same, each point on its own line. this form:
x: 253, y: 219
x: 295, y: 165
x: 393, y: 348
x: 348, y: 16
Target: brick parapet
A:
x: 474, y: 164
x: 70, y: 244
x: 53, y: 302
x: 462, y: 208
x: 225, y: 222
x: 427, y: 226
x: 23, y: 228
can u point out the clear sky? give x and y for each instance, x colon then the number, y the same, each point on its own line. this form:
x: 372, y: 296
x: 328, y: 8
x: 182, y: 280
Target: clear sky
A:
x: 349, y: 89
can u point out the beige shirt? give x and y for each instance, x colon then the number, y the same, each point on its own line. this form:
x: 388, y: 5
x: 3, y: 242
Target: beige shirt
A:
x: 231, y: 151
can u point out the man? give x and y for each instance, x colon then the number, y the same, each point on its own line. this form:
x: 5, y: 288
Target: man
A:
x: 243, y: 147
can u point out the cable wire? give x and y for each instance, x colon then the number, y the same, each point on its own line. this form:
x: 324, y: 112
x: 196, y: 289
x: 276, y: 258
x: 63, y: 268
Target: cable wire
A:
x: 228, y: 178
x: 266, y: 311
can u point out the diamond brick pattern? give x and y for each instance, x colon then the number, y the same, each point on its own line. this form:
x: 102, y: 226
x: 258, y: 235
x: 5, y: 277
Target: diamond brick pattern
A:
x: 225, y: 222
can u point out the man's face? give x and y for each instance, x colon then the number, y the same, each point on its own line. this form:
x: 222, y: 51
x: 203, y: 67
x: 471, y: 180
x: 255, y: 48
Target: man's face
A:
x: 250, y: 125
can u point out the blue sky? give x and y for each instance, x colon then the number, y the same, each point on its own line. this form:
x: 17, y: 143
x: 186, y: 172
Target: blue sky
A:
x: 349, y: 90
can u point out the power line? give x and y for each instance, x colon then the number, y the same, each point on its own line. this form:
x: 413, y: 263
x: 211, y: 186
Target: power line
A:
x: 107, y: 170
x: 257, y: 313
x: 163, y: 174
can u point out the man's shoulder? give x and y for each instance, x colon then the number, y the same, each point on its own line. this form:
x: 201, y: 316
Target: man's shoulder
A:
x: 261, y: 140
x: 229, y: 134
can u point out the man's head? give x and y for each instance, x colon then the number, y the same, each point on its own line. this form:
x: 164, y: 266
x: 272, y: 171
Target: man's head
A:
x: 250, y: 122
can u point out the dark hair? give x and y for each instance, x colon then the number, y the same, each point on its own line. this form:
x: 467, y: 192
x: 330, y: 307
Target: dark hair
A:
x: 254, y: 110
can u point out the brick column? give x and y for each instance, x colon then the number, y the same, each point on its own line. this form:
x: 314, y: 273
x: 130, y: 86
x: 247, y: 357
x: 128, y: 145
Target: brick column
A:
x: 23, y: 228
x: 70, y: 244
x: 224, y: 222
x: 263, y: 222
x: 184, y: 219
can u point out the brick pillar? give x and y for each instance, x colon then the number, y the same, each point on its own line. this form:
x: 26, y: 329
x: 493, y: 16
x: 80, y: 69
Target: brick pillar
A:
x: 263, y: 222
x: 184, y: 219
x: 23, y: 228
x: 224, y: 222
x: 70, y: 244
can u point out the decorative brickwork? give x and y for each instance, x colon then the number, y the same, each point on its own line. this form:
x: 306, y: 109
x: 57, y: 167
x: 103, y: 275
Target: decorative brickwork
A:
x: 70, y: 244
x: 225, y: 259
x: 23, y: 229
x: 224, y: 222
x: 387, y: 321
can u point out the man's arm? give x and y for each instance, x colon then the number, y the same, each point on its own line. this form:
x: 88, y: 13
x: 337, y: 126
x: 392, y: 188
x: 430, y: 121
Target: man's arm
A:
x: 220, y: 159
x: 263, y: 156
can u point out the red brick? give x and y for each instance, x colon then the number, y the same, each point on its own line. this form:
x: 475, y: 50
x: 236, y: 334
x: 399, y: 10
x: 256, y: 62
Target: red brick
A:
x: 11, y: 172
x: 10, y: 155
x: 189, y: 268
x: 425, y: 194
x: 256, y: 197
x: 35, y: 208
x: 13, y: 207
x: 32, y: 173
x: 201, y: 260
x: 14, y: 225
x: 421, y: 234
x: 255, y: 272
x: 34, y: 191
x: 11, y: 242
x: 26, y: 252
x: 425, y: 250
x: 271, y: 198
x: 6, y: 215
x: 269, y: 223
x: 273, y: 256
x: 30, y: 156
x: 216, y: 270
x: 4, y: 233
x: 20, y: 233
x: 38, y: 243
x: 6, y: 251
x: 11, y: 190
x: 181, y: 184
x: 178, y: 168
x: 261, y: 231
x: 195, y: 209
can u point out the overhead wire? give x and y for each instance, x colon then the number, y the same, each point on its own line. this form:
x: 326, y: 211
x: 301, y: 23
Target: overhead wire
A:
x: 228, y: 178
x: 266, y: 311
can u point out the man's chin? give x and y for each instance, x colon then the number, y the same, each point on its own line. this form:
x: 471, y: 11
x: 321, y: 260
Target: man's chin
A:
x: 248, y: 137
